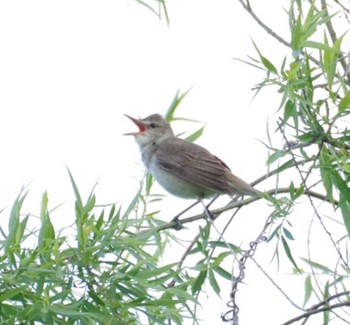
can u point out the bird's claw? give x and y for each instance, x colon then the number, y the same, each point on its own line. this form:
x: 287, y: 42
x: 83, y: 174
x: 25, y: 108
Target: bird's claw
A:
x: 177, y: 223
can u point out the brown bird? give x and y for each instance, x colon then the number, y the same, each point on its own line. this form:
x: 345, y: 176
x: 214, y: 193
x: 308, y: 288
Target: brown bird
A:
x: 183, y: 168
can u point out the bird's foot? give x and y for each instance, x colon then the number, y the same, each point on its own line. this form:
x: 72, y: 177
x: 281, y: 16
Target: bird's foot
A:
x: 209, y: 214
x: 177, y: 223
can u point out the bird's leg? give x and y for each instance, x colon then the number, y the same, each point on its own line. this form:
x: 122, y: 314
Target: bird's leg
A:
x: 178, y: 225
x: 212, y: 201
x: 207, y: 212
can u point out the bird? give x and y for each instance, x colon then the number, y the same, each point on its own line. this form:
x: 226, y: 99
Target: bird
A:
x: 184, y: 169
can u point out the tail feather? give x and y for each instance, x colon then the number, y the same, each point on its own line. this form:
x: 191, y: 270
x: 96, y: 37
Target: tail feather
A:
x: 240, y: 187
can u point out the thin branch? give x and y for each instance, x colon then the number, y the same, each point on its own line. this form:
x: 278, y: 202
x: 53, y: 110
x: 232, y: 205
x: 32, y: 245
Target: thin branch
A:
x: 316, y: 311
x: 265, y: 27
x: 239, y: 204
x: 275, y: 284
x: 330, y: 298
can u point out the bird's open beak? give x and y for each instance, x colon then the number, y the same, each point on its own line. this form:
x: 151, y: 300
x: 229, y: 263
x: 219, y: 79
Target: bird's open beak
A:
x: 142, y: 127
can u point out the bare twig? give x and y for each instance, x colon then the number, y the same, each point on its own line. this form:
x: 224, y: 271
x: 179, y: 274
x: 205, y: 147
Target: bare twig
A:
x: 248, y: 8
x: 316, y: 311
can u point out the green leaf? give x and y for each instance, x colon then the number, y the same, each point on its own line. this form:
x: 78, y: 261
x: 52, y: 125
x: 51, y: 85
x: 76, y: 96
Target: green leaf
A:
x: 132, y: 204
x: 277, y: 154
x: 147, y: 274
x: 330, y: 58
x: 302, y: 31
x: 266, y: 63
x: 13, y: 238
x: 222, y: 272
x: 195, y: 135
x: 47, y: 233
x: 296, y: 43
x: 218, y: 260
x: 214, y: 284
x: 321, y: 46
x: 289, y: 110
x: 299, y: 192
x: 344, y: 203
x: 325, y: 298
x: 90, y: 204
x: 307, y: 290
x: 286, y: 165
x: 325, y: 169
x: 293, y: 70
x: 232, y: 247
x: 287, y: 233
x: 197, y: 285
x: 345, y: 102
x: 149, y: 183
x: 169, y: 115
x: 79, y: 202
x: 289, y: 253
x: 181, y: 294
x: 319, y: 266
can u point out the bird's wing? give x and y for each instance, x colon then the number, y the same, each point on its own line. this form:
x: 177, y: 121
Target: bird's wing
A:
x: 194, y: 164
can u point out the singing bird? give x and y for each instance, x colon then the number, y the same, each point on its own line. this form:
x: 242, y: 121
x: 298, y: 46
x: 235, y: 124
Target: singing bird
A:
x: 183, y: 168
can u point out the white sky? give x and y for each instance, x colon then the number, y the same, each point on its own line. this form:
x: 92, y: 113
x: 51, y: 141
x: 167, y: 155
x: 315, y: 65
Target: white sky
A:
x: 69, y: 70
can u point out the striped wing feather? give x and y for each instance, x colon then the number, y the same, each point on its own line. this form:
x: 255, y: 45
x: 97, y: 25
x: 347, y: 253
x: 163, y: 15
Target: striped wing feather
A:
x: 194, y: 164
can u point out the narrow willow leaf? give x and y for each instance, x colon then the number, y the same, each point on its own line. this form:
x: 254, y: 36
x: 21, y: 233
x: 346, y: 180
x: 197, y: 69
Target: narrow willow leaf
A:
x: 197, y: 285
x: 181, y: 294
x: 289, y: 110
x: 321, y: 46
x: 90, y: 204
x: 214, y: 284
x: 195, y: 135
x: 325, y: 169
x: 47, y: 232
x: 297, y: 36
x: 169, y: 115
x: 299, y: 192
x: 147, y: 274
x: 325, y: 297
x: 345, y: 102
x: 277, y: 154
x: 291, y: 189
x: 289, y: 252
x: 149, y: 183
x: 266, y: 62
x: 344, y: 204
x: 286, y: 165
x: 287, y: 233
x: 232, y: 247
x: 79, y: 202
x: 218, y: 260
x: 132, y: 205
x: 307, y: 290
x: 222, y: 272
x: 12, y: 239
x: 318, y: 266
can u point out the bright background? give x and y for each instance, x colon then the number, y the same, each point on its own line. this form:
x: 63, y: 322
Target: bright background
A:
x: 69, y: 70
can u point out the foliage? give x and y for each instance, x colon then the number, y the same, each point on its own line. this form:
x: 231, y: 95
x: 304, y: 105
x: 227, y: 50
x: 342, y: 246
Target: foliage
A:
x: 107, y: 273
x: 313, y: 119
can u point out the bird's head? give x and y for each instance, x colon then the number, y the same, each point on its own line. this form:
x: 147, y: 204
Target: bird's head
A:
x: 152, y: 129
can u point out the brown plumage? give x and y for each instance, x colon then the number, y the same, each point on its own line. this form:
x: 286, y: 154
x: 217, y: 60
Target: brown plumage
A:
x: 183, y: 168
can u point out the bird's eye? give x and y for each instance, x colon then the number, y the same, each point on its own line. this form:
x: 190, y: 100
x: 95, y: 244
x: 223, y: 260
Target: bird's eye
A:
x: 152, y: 125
